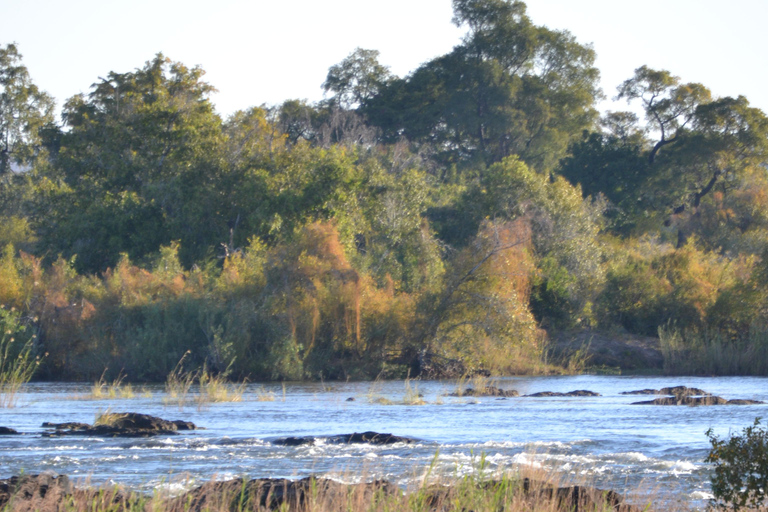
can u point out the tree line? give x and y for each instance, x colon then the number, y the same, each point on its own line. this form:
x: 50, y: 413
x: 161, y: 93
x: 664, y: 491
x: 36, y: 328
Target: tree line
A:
x: 454, y: 217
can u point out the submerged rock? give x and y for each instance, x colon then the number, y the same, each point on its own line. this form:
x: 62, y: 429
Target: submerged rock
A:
x: 682, y: 395
x: 698, y: 400
x: 129, y: 424
x: 685, y: 400
x: 578, y: 392
x: 355, y: 438
x: 741, y: 401
x: 66, y: 426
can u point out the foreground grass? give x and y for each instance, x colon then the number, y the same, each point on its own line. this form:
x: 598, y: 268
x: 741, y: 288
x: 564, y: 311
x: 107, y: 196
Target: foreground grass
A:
x: 518, y: 490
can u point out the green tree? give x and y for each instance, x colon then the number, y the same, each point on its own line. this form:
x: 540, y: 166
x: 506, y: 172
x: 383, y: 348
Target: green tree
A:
x: 140, y: 161
x: 24, y: 110
x: 510, y: 88
x: 356, y: 79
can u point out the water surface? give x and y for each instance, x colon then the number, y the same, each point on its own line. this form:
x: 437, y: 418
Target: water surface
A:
x: 604, y: 440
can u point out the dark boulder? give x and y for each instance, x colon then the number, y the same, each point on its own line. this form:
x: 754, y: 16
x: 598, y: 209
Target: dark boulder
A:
x: 294, y: 441
x: 355, y: 438
x: 683, y: 391
x: 7, y: 431
x: 184, y: 425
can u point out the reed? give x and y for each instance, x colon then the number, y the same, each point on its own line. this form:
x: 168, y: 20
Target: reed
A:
x: 217, y: 388
x: 412, y: 395
x: 115, y: 389
x: 17, y: 363
x: 713, y: 352
x: 263, y: 395
x: 178, y: 384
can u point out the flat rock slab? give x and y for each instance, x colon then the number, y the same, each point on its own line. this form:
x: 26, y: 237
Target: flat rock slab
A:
x: 129, y: 424
x: 578, y: 392
x: 355, y: 438
x: 488, y: 391
x: 674, y: 391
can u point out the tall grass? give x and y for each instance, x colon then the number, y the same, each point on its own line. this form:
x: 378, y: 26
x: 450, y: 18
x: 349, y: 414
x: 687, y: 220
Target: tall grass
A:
x: 211, y: 387
x: 17, y: 363
x: 520, y: 490
x: 115, y: 389
x: 178, y: 384
x: 218, y: 388
x: 712, y: 352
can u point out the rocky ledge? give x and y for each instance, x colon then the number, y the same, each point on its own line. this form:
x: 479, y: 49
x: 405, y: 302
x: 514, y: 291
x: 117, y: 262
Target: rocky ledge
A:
x: 355, y: 438
x: 128, y: 424
x: 682, y: 395
x: 487, y: 391
x: 674, y: 390
x: 48, y: 492
x: 578, y: 392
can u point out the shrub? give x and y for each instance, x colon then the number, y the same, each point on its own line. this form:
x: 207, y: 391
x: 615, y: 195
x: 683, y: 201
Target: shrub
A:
x: 741, y: 468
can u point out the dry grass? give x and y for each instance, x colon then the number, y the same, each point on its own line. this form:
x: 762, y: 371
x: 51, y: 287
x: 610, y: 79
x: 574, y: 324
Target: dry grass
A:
x: 217, y: 388
x: 210, y: 387
x: 115, y: 389
x: 178, y: 384
x: 262, y: 395
x: 523, y: 489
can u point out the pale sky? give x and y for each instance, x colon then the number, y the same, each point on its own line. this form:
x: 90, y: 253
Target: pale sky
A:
x: 264, y: 52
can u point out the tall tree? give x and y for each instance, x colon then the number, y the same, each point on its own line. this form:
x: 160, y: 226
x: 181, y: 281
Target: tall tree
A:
x: 510, y: 88
x: 140, y: 157
x: 356, y: 79
x: 24, y: 110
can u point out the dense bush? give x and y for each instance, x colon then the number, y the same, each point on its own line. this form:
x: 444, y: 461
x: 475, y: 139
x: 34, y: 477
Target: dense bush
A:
x: 740, y: 478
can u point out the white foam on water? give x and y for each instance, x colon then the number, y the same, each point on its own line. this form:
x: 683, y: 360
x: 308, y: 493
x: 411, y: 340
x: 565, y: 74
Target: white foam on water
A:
x: 632, y: 456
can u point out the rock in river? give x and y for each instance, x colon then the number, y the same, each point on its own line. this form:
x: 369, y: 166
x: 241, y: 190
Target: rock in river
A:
x: 674, y: 391
x: 578, y: 392
x: 128, y: 424
x: 487, y: 391
x: 355, y: 438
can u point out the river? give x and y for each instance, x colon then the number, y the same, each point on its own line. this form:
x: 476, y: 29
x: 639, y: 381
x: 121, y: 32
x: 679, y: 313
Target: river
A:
x: 603, y: 441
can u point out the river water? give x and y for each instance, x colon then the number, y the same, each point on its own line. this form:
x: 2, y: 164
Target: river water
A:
x: 603, y: 441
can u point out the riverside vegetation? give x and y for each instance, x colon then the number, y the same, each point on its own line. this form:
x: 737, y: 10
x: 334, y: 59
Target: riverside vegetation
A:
x: 442, y: 223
